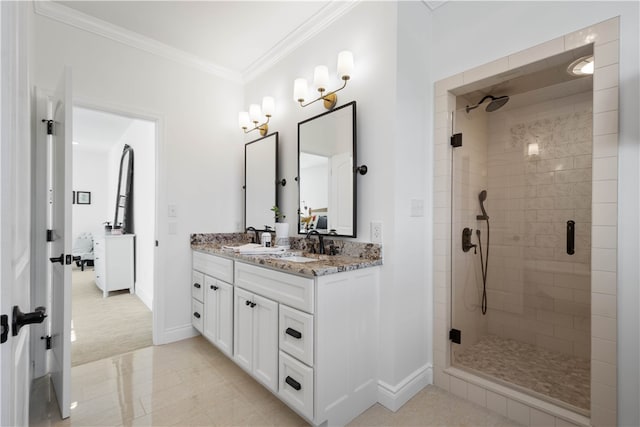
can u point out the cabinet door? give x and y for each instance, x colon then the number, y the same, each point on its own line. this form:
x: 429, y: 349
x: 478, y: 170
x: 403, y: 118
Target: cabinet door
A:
x: 225, y: 317
x: 265, y: 326
x: 243, y: 329
x: 210, y: 306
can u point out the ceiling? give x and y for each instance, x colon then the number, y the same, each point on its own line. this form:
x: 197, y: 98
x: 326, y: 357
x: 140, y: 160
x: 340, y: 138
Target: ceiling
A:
x: 98, y: 130
x: 231, y: 34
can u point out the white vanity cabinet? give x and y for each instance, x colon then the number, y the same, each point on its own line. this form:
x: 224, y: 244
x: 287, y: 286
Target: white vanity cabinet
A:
x: 256, y: 336
x: 114, y: 262
x: 326, y: 338
x: 212, y: 299
x: 312, y: 341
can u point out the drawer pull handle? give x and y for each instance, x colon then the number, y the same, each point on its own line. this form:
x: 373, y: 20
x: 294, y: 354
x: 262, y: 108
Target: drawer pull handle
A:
x: 197, y: 285
x: 293, y: 333
x: 293, y: 383
x: 196, y: 315
x: 214, y: 287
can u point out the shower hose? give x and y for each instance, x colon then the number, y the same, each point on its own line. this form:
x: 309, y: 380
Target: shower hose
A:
x: 484, y: 264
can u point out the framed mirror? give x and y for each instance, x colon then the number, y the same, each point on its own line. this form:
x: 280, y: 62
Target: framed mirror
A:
x: 260, y: 176
x: 123, y: 216
x: 326, y: 175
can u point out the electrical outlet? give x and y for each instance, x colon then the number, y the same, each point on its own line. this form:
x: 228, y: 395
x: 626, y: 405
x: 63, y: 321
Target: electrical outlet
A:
x: 376, y: 232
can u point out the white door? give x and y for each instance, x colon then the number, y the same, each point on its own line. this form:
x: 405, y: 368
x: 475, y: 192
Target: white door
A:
x: 60, y: 140
x: 15, y: 214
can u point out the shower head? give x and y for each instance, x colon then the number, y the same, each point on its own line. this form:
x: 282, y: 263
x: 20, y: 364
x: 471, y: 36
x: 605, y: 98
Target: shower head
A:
x: 496, y: 103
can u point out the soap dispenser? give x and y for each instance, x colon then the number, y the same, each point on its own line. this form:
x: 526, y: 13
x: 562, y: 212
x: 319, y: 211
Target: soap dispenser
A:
x: 265, y: 239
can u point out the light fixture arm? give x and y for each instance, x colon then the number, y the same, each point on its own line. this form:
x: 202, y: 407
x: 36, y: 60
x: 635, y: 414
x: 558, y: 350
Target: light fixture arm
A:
x: 264, y: 127
x: 330, y: 99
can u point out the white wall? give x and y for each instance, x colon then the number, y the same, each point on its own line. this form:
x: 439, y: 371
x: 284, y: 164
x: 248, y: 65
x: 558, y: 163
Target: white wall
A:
x: 474, y: 33
x: 89, y: 172
x: 200, y: 146
x: 141, y: 137
x: 393, y: 114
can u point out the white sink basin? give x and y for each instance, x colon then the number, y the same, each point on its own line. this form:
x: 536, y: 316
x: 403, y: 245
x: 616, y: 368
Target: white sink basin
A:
x: 295, y: 258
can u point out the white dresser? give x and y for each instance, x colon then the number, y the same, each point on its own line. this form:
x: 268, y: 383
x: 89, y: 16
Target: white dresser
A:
x: 114, y: 262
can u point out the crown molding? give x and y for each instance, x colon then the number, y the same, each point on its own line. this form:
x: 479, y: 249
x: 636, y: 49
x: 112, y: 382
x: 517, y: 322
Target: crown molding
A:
x: 327, y: 15
x: 80, y: 20
x: 433, y: 5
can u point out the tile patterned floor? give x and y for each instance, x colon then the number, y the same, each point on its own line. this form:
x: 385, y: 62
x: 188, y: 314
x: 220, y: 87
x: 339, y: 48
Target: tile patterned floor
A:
x: 559, y: 376
x: 190, y: 383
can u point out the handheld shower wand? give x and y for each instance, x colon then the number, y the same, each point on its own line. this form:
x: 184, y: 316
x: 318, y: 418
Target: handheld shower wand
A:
x: 482, y: 197
x: 484, y: 258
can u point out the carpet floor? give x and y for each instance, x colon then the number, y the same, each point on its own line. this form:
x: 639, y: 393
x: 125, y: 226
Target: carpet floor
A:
x: 105, y: 327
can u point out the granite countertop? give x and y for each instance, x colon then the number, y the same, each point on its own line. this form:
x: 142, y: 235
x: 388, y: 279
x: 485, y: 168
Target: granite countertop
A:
x: 352, y: 255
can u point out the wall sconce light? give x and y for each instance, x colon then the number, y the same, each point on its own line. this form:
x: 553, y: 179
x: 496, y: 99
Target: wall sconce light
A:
x: 255, y: 115
x: 321, y: 81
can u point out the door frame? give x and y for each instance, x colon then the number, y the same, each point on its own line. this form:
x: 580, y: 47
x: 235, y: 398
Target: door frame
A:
x: 160, y: 184
x: 39, y: 358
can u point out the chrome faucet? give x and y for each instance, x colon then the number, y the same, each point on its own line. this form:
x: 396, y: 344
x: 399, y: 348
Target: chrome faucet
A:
x: 320, y: 240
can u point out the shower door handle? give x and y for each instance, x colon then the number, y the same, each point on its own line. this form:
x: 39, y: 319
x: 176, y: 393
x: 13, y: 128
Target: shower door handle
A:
x: 571, y: 236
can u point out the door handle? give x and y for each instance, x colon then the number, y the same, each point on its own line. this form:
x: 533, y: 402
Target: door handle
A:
x: 59, y: 259
x: 571, y: 235
x: 20, y: 319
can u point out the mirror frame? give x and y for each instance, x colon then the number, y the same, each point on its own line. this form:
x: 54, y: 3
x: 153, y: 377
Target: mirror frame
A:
x: 274, y: 180
x: 354, y: 171
x: 127, y: 209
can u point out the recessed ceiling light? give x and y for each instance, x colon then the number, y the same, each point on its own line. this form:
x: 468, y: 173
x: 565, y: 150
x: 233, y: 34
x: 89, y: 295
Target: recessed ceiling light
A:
x: 581, y: 66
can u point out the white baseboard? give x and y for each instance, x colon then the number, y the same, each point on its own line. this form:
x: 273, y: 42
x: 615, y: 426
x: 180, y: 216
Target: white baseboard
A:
x: 393, y: 397
x: 177, y: 334
x: 145, y: 297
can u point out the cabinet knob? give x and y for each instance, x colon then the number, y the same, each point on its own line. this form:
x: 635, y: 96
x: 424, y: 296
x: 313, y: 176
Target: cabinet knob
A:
x: 196, y: 315
x: 247, y: 302
x: 197, y: 285
x: 253, y: 304
x: 214, y: 287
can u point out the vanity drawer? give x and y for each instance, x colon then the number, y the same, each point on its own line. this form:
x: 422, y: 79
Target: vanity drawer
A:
x: 296, y: 385
x: 214, y: 266
x: 197, y: 285
x: 197, y: 314
x: 294, y: 291
x: 296, y: 334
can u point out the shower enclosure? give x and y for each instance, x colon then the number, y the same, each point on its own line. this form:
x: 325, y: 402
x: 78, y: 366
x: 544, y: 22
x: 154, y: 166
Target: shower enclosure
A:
x: 521, y: 237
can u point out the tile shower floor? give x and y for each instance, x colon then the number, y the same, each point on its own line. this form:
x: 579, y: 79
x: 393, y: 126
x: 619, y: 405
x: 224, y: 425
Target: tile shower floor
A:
x: 556, y: 375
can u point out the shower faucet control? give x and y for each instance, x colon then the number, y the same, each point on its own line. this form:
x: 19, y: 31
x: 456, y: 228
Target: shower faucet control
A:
x: 466, y: 240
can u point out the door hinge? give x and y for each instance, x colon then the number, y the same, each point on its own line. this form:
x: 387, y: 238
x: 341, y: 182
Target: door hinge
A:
x: 156, y: 243
x: 47, y: 341
x: 49, y: 126
x: 455, y: 335
x: 49, y: 235
x: 456, y: 140
x: 4, y: 328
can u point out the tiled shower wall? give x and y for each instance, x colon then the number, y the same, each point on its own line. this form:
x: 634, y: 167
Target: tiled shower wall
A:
x: 539, y: 177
